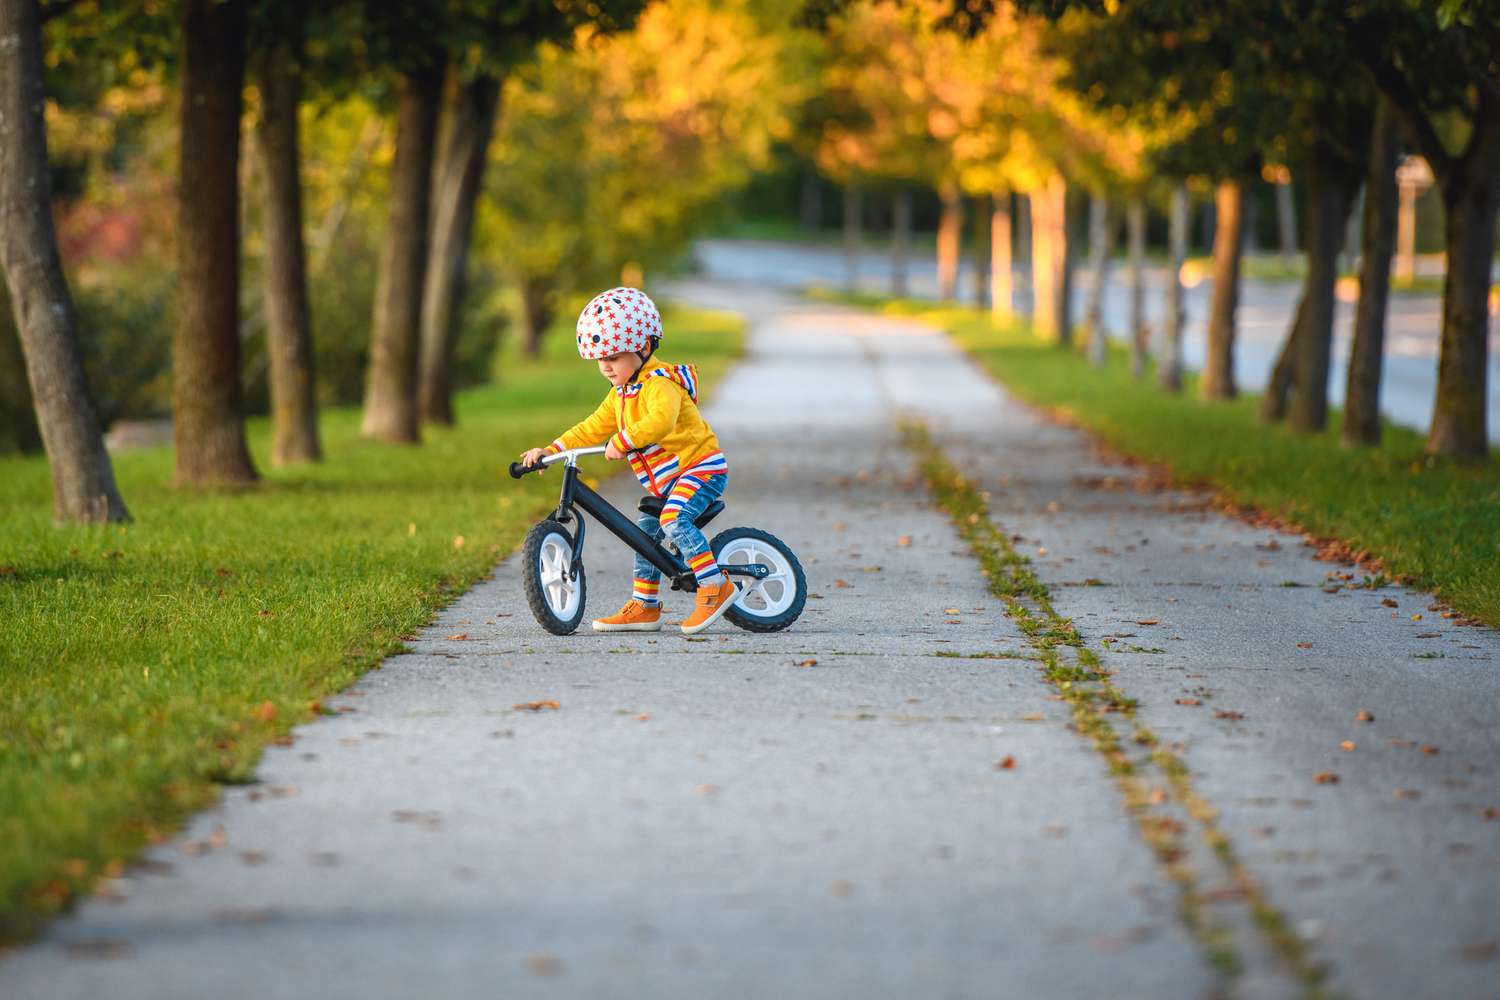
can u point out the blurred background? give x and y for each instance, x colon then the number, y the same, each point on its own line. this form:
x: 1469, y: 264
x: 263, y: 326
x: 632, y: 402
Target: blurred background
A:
x: 445, y: 178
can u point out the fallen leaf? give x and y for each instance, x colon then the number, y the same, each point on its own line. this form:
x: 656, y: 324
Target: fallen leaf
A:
x: 706, y: 789
x: 1429, y: 635
x: 458, y: 541
x: 1416, y: 618
x: 1232, y: 716
x: 1390, y: 603
x: 1363, y: 715
x: 1007, y: 763
x: 536, y: 706
x: 541, y: 963
x: 459, y: 636
x: 643, y: 717
x: 952, y: 621
x: 1189, y: 701
x: 1347, y: 746
x: 252, y: 858
x: 904, y: 541
x: 1407, y: 793
x: 1326, y: 778
x: 1490, y: 812
x: 1157, y: 796
x: 839, y: 526
x: 264, y: 712
x: 804, y: 663
x: 842, y: 584
x: 952, y: 611
x: 1149, y: 621
x: 1304, y: 645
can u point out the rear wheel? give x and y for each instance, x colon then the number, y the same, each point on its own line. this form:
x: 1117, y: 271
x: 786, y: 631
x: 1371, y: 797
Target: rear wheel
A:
x: 767, y: 605
x: 555, y: 596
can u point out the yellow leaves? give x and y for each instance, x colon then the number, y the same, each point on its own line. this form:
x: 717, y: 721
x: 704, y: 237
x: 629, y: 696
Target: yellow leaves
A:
x: 536, y: 706
x: 1347, y: 746
x: 1326, y: 778
x: 264, y: 712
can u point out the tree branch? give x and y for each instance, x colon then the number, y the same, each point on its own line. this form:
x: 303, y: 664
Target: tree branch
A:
x: 1414, y: 120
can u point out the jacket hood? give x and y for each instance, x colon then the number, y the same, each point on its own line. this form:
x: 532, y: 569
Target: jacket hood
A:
x: 685, y: 376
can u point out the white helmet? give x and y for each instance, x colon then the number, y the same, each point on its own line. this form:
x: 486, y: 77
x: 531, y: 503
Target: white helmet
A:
x: 617, y: 321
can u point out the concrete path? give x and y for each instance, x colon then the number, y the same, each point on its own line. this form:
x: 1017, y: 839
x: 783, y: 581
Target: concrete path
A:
x: 1266, y: 307
x: 819, y: 813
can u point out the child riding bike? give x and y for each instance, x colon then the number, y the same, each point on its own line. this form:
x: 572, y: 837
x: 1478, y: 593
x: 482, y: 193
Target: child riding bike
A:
x: 650, y: 416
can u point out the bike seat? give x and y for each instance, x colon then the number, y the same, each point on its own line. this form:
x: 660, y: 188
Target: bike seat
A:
x: 654, y: 505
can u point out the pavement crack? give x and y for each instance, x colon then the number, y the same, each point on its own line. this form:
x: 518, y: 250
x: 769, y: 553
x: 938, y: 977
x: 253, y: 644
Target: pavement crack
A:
x: 1231, y: 918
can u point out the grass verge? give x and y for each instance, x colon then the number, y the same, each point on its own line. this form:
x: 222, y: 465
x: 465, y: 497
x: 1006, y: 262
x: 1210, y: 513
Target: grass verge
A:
x: 1433, y: 523
x: 141, y: 666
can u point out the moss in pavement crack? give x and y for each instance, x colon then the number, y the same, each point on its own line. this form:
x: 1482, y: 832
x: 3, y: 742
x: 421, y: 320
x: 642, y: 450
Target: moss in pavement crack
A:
x: 1133, y: 753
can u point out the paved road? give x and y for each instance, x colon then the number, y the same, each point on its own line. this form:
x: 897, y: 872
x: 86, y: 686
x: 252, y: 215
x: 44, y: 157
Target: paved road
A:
x: 1266, y: 309
x: 724, y: 818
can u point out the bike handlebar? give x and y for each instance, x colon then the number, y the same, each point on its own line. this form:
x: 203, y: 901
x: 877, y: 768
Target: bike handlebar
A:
x: 570, y: 457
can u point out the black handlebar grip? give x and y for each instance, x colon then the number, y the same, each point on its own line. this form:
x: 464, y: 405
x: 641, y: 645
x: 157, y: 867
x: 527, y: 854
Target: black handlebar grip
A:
x: 517, y: 470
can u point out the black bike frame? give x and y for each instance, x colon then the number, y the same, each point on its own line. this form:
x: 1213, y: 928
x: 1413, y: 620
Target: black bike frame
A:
x: 577, y: 492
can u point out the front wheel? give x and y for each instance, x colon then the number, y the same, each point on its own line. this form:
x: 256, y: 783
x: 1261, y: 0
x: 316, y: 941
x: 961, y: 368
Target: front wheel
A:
x: 770, y: 604
x: 555, y: 596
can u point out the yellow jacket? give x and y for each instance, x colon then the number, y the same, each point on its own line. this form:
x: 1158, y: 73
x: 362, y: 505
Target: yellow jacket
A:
x: 654, y: 417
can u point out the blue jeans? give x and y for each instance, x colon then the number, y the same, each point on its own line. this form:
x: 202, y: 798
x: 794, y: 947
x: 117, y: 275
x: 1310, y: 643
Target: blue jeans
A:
x: 688, y: 498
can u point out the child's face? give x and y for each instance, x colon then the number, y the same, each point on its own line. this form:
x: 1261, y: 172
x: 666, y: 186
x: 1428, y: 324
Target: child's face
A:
x: 619, y: 367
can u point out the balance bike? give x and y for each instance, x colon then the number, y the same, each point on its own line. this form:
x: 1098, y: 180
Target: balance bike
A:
x: 772, y: 589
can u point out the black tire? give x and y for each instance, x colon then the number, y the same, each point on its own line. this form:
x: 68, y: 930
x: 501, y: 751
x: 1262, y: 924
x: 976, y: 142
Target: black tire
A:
x: 746, y: 618
x: 531, y: 578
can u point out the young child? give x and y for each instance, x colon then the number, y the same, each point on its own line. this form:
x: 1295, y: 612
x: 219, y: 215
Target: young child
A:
x: 650, y: 416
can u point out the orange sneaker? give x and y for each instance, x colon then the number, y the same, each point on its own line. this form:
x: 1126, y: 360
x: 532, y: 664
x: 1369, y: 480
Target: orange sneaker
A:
x: 633, y: 617
x: 711, y: 604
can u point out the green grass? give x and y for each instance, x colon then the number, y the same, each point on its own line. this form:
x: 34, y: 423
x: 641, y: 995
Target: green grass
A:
x: 1435, y: 522
x: 140, y: 665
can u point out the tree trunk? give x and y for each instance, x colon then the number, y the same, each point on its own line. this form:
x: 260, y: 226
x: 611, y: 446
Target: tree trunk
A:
x: 289, y: 345
x: 1273, y: 405
x: 1229, y: 241
x: 1051, y: 270
x: 981, y: 270
x: 900, y: 241
x: 1026, y: 255
x: 1329, y: 196
x: 853, y: 236
x: 811, y: 208
x: 1169, y: 355
x: 1406, y: 234
x: 18, y: 428
x: 83, y: 479
x: 391, y: 378
x: 207, y: 423
x: 1101, y: 232
x: 1471, y: 195
x: 1135, y: 224
x: 1002, y: 293
x: 1366, y: 357
x: 949, y: 236
x: 455, y: 193
x: 536, y: 314
x: 1286, y: 221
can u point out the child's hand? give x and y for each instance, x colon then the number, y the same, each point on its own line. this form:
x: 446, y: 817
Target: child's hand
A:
x: 530, y: 458
x: 613, y: 453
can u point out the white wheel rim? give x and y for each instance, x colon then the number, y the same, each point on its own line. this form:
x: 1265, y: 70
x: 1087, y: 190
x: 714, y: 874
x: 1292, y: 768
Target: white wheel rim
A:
x: 765, y: 598
x: 554, y: 557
